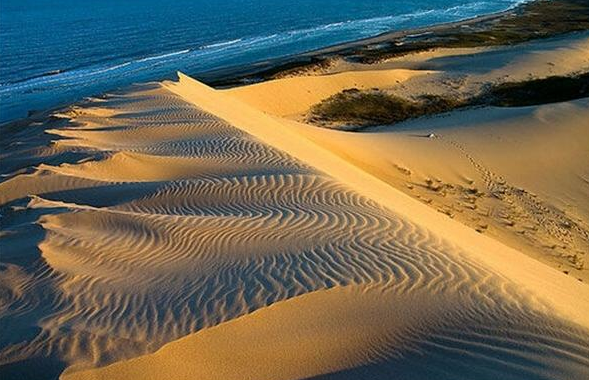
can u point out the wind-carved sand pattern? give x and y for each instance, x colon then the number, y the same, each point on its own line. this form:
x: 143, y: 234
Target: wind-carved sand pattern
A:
x: 149, y: 239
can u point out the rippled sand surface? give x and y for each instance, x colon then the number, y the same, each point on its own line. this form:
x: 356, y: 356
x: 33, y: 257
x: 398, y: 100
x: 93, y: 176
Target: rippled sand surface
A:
x: 144, y: 238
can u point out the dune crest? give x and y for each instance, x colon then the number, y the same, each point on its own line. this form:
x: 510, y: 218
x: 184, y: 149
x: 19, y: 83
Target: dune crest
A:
x: 279, y: 133
x: 519, y: 175
x: 171, y: 226
x: 309, y: 90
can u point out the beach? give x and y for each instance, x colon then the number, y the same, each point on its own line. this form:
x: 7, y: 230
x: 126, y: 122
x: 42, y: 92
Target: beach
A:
x: 61, y: 55
x: 179, y: 230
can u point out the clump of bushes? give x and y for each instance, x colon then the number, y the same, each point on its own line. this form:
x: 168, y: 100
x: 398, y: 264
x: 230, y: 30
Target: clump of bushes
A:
x: 538, y: 91
x: 358, y: 109
x: 353, y: 109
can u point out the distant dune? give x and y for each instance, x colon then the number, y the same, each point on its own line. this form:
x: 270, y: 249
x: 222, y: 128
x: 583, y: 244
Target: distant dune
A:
x: 174, y: 231
x: 305, y: 91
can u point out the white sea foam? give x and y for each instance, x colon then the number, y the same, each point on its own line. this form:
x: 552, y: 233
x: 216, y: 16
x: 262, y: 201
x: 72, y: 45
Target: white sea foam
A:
x: 86, y: 80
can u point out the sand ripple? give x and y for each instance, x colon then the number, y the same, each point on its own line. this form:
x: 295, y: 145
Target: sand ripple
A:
x: 170, y: 223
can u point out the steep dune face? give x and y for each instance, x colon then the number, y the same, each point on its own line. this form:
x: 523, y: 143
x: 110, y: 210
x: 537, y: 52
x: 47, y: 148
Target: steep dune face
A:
x: 151, y: 239
x: 518, y: 175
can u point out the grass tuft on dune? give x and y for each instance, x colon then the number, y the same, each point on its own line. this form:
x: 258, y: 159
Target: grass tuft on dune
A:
x: 353, y: 109
x: 539, y: 91
x: 365, y: 108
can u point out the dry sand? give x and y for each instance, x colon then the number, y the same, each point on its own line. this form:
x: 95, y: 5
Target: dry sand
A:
x: 519, y: 175
x: 460, y: 73
x: 305, y: 91
x: 179, y: 232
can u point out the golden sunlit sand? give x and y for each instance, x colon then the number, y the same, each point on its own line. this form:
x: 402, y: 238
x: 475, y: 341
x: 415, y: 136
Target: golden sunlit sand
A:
x: 175, y: 231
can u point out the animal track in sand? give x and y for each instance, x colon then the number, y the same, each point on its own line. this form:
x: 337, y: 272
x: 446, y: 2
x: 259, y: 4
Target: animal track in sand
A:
x: 541, y: 224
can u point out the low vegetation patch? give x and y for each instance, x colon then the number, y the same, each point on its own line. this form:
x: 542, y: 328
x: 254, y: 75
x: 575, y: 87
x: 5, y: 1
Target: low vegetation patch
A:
x: 358, y: 109
x: 539, y: 91
x: 353, y: 109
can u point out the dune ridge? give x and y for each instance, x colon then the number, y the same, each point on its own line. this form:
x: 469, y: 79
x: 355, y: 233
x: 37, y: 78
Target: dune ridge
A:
x: 518, y: 175
x: 279, y: 133
x: 148, y: 234
x: 309, y: 90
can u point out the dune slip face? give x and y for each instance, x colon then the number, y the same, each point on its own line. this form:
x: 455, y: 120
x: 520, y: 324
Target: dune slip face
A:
x: 172, y: 231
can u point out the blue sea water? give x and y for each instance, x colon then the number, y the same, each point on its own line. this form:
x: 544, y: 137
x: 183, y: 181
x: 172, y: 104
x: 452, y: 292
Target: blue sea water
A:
x: 56, y: 51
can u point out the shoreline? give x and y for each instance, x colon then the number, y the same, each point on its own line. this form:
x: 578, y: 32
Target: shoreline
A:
x: 385, y: 45
x: 227, y: 77
x: 485, y: 30
x: 377, y: 45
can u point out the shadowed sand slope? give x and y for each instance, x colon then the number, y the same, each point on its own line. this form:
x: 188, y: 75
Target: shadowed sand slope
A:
x: 519, y: 175
x: 144, y: 237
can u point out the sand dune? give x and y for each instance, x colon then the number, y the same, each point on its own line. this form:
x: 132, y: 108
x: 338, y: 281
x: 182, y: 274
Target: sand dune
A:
x: 290, y: 137
x: 175, y: 231
x: 466, y: 72
x: 460, y: 73
x: 341, y: 333
x: 506, y: 171
x: 304, y: 91
x: 539, y: 58
x: 518, y: 175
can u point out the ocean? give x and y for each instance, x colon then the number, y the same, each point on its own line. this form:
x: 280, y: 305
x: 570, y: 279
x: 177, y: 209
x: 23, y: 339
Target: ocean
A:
x: 57, y: 51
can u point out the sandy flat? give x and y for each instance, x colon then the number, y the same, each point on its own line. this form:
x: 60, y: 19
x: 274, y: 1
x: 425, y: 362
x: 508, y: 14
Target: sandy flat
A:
x: 174, y: 231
